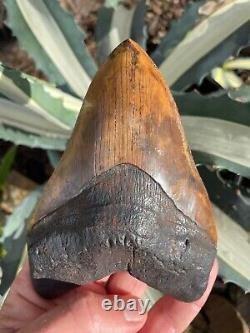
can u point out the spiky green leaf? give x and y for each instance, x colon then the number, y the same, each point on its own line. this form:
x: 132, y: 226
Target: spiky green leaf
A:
x: 238, y: 63
x: 233, y: 250
x: 24, y: 138
x: 23, y: 118
x: 138, y: 30
x: 241, y: 95
x: 208, y: 44
x: 35, y: 113
x: 217, y: 129
x: 217, y: 105
x: 116, y: 23
x: 178, y: 31
x: 15, y: 223
x: 113, y: 26
x: 54, y: 157
x: 37, y: 99
x: 52, y: 38
x: 14, y: 238
x: 227, y: 79
x: 219, y: 143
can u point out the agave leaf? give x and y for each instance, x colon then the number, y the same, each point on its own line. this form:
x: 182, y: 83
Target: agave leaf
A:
x: 217, y: 128
x: 232, y: 79
x: 239, y: 63
x: 233, y: 250
x: 24, y: 138
x: 14, y: 238
x: 112, y: 3
x: 228, y: 195
x: 218, y: 76
x: 113, y: 26
x: 54, y: 157
x: 219, y: 142
x: 10, y: 263
x: 230, y: 46
x: 241, y: 95
x: 116, y: 23
x: 138, y: 31
x: 23, y: 118
x: 33, y: 112
x: 208, y: 44
x: 15, y: 223
x: 177, y: 32
x: 217, y: 105
x: 226, y: 78
x: 52, y: 38
x: 39, y: 96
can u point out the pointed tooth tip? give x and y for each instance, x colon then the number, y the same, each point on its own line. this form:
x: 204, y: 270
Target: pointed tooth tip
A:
x: 128, y: 45
x: 139, y: 55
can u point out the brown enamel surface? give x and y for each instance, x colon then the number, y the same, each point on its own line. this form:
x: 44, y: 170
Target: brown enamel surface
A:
x: 129, y: 116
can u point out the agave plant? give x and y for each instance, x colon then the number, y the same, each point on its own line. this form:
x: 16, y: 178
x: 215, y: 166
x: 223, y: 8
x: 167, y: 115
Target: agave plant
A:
x: 199, y: 45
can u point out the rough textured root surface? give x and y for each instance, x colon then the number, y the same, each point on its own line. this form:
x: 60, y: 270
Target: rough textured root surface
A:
x: 121, y: 220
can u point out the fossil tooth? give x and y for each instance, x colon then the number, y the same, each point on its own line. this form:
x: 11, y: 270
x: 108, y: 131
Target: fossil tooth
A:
x: 126, y: 194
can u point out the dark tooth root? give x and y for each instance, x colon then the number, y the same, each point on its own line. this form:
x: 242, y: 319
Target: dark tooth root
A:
x: 151, y: 245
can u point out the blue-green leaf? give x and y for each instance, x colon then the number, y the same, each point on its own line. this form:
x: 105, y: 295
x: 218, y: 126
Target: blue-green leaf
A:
x: 14, y: 238
x: 219, y: 143
x: 24, y: 138
x: 208, y: 44
x: 53, y: 39
x: 179, y: 29
x: 233, y: 250
x: 54, y: 157
x: 138, y: 31
x: 35, y: 99
x: 241, y: 95
x: 217, y: 105
x: 15, y: 223
x: 217, y: 129
x: 113, y: 27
